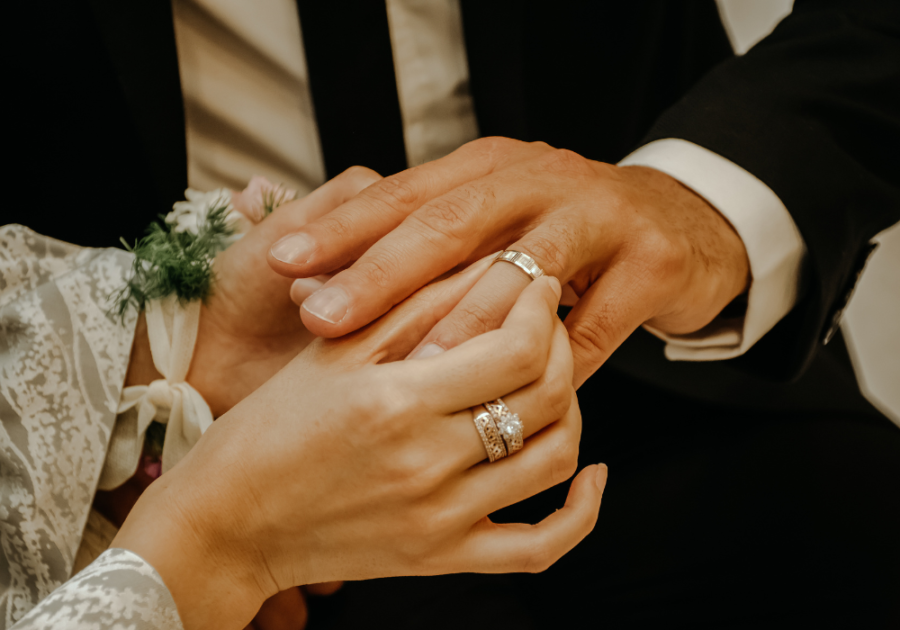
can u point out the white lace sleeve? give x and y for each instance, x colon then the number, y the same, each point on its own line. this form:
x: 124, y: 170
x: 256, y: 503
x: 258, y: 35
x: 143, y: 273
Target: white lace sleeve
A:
x: 63, y: 360
x: 118, y: 590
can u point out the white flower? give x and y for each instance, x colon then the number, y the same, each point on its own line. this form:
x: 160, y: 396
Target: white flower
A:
x: 186, y: 216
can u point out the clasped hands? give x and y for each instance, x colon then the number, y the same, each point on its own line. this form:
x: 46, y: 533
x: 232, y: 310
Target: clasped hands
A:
x: 633, y: 243
x: 352, y: 464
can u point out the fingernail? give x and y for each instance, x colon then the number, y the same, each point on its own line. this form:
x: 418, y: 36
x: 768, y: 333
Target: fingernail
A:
x: 428, y: 350
x: 600, y: 479
x: 295, y: 249
x: 302, y: 288
x: 329, y: 304
x: 556, y: 286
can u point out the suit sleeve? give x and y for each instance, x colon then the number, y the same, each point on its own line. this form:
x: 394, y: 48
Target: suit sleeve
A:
x: 813, y: 111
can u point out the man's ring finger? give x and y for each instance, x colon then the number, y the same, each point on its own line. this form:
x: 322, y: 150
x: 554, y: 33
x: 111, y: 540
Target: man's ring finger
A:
x: 521, y: 260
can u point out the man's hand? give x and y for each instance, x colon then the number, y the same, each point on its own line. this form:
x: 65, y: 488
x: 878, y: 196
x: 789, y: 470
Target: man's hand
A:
x: 634, y: 244
x: 248, y: 327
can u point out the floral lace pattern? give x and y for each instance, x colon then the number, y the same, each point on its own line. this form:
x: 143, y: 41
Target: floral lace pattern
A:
x: 117, y: 590
x: 63, y: 360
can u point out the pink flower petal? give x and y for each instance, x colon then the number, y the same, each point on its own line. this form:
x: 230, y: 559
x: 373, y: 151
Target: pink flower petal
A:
x: 251, y: 202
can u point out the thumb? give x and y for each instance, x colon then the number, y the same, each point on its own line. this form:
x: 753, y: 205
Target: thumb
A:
x: 604, y: 318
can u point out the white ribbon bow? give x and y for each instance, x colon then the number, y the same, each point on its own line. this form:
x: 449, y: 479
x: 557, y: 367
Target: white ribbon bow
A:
x: 172, y: 331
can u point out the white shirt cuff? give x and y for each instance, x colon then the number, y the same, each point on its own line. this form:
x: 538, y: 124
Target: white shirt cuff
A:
x: 774, y: 245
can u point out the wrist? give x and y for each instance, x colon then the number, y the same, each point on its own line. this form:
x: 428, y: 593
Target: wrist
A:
x: 720, y: 252
x: 141, y: 370
x: 181, y: 527
x: 707, y: 252
x: 211, y: 373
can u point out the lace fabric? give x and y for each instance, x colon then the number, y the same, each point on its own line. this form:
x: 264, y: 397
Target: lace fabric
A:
x: 63, y: 360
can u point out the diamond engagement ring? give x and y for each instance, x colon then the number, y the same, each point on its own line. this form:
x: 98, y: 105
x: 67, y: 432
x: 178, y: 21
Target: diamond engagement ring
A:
x: 490, y: 435
x: 521, y: 260
x: 509, y: 425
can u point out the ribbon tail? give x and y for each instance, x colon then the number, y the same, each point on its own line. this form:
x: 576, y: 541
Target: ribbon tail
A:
x: 175, y: 446
x: 188, y: 421
x: 131, y: 396
x: 124, y: 453
x: 185, y: 326
x: 158, y: 314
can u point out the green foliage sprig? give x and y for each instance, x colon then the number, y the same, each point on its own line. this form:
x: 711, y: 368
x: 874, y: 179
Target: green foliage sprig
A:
x: 167, y: 262
x: 274, y: 196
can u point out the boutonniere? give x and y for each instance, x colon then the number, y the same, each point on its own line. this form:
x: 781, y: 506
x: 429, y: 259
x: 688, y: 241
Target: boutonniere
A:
x: 176, y: 255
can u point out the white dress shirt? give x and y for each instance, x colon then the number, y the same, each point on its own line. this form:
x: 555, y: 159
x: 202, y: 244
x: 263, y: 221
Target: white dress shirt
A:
x: 775, y: 248
x: 248, y: 111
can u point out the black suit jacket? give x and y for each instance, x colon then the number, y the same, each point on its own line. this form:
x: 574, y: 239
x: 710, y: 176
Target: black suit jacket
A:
x: 97, y: 138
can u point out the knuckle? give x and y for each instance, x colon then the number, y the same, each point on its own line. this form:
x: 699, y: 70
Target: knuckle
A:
x: 589, y: 334
x: 337, y: 225
x: 654, y: 253
x: 541, y: 145
x: 495, y: 145
x: 526, y: 357
x: 360, y: 175
x: 413, y: 475
x: 398, y: 192
x: 427, y: 527
x: 451, y: 214
x: 536, y: 559
x: 385, y: 406
x: 564, y: 162
x: 558, y: 394
x: 379, y: 271
x: 437, y: 524
x: 551, y: 251
x: 662, y: 253
x: 472, y: 318
x: 564, y: 461
x: 448, y: 212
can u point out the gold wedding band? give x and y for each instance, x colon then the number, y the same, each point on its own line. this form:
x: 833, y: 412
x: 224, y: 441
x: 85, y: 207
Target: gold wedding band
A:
x: 521, y: 260
x: 490, y: 435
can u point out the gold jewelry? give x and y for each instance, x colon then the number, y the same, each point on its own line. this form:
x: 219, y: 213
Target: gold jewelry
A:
x: 490, y: 435
x: 508, y: 423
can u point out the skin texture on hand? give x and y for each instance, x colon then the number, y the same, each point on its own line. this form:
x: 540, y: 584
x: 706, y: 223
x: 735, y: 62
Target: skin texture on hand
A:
x: 634, y: 244
x: 284, y: 611
x: 351, y: 463
x: 248, y: 331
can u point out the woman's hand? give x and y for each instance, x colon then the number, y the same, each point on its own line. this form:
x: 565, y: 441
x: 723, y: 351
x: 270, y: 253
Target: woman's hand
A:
x: 351, y: 464
x: 249, y: 330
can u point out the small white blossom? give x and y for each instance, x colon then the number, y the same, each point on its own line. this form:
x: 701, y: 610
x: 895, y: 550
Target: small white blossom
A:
x: 186, y: 216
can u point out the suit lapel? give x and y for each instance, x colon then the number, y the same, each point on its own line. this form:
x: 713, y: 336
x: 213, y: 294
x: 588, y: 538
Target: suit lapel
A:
x: 495, y: 46
x: 140, y: 39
